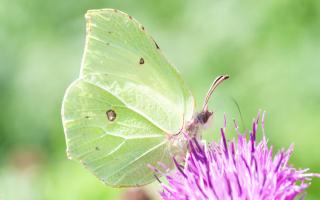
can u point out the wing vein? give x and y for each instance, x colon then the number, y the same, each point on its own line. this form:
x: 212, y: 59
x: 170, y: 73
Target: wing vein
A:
x: 137, y: 158
x: 130, y: 108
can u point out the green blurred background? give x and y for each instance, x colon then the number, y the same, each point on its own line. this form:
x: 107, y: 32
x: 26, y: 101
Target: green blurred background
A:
x: 270, y: 48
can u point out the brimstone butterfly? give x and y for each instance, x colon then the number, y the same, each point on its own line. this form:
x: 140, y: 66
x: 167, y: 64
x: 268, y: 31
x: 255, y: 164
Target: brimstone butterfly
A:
x: 129, y: 106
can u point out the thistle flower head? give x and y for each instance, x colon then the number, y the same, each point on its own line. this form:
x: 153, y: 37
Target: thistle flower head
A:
x: 238, y: 169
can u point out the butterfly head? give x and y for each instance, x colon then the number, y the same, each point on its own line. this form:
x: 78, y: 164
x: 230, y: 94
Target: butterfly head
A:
x: 203, y: 117
x: 205, y: 114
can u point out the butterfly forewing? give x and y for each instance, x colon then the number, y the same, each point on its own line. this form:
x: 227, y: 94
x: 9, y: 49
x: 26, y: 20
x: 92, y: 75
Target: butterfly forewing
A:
x: 128, y: 98
x: 116, y: 44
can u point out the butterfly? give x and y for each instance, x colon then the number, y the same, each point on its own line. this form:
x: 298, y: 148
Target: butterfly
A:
x: 129, y: 107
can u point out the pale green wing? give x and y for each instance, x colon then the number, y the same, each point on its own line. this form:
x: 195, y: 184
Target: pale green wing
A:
x: 116, y: 45
x: 123, y: 71
x: 117, y: 151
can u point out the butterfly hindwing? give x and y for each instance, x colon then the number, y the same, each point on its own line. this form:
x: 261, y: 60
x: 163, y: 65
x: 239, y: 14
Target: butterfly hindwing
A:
x: 110, y: 149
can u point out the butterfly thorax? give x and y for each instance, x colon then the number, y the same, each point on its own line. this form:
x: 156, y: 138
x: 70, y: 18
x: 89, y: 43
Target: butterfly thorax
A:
x: 178, y: 142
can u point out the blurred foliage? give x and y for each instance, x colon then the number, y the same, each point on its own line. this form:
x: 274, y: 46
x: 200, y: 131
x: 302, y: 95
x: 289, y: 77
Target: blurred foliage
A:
x: 270, y: 49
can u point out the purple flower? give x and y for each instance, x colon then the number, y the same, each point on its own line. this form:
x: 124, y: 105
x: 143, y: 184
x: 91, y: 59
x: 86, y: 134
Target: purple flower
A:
x: 245, y: 169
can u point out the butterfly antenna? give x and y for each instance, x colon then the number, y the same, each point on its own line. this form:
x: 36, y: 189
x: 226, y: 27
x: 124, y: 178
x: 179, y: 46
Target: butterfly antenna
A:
x: 214, y: 85
x: 239, y: 110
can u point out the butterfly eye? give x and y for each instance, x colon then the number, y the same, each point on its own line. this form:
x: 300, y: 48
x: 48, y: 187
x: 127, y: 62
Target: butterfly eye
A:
x: 111, y: 115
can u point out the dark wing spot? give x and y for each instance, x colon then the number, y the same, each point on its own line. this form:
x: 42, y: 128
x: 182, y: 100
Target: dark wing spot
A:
x: 156, y: 44
x: 115, y: 10
x: 130, y: 17
x: 87, y: 117
x: 111, y: 115
x: 141, y: 61
x: 97, y: 148
x: 142, y: 27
